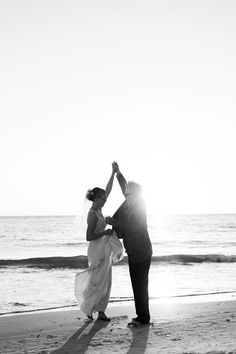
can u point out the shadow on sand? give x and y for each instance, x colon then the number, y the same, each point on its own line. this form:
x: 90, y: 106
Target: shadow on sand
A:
x: 79, y: 341
x: 139, y: 340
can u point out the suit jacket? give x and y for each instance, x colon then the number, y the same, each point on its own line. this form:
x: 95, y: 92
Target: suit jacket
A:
x: 131, y: 225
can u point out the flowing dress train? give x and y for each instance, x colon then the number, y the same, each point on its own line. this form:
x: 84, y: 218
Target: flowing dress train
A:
x: 93, y: 285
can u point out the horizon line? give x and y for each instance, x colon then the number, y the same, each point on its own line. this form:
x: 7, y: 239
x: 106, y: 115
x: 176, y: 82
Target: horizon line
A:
x: 149, y: 214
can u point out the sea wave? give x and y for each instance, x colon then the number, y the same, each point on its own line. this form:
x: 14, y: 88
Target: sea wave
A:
x: 47, y: 262
x: 81, y: 262
x: 200, y: 258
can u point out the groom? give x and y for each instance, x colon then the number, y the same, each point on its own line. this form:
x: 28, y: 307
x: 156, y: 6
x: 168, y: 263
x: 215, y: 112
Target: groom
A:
x: 130, y: 224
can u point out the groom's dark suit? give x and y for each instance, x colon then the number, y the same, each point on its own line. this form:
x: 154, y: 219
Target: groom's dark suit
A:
x: 131, y: 225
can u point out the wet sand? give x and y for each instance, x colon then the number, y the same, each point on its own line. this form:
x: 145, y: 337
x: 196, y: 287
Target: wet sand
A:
x: 177, y: 327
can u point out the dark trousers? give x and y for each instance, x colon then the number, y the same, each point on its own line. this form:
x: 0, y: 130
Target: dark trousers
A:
x: 139, y: 279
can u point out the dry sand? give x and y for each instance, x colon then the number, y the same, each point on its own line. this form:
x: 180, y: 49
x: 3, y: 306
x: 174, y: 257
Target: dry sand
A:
x: 203, y: 327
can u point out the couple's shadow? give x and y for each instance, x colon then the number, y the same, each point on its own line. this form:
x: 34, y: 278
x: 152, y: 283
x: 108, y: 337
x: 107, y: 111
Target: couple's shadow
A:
x: 80, y: 340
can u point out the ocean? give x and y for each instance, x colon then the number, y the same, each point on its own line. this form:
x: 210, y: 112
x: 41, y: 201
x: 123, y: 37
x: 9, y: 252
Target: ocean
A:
x: 40, y: 255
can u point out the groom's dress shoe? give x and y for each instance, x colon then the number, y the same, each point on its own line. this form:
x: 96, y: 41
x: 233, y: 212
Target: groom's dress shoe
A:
x: 103, y: 318
x: 136, y: 322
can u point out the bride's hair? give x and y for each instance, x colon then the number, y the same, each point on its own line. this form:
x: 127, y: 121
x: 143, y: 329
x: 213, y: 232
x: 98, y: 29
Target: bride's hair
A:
x: 92, y: 194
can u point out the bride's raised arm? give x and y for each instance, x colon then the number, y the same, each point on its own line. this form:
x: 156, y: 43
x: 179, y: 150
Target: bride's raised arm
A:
x: 110, y: 182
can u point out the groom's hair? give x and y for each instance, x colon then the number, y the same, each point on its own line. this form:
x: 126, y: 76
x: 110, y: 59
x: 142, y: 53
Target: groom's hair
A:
x: 133, y: 188
x: 92, y: 194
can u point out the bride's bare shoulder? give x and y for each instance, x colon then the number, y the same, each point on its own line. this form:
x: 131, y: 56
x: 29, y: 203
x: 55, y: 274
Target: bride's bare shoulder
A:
x: 92, y: 215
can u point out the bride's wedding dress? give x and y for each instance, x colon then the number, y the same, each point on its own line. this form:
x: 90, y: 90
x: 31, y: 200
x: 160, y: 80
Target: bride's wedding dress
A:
x: 93, y: 285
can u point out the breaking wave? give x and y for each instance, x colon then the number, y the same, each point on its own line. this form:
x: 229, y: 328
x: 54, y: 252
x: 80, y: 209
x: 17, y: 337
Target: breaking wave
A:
x: 81, y: 262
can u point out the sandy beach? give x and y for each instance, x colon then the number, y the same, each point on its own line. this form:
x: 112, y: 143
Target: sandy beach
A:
x: 177, y: 327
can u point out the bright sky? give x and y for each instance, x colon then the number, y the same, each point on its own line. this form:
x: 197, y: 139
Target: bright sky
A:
x: 149, y: 83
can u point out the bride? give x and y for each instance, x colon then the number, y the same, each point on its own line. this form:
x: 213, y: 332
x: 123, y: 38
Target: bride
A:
x: 93, y: 285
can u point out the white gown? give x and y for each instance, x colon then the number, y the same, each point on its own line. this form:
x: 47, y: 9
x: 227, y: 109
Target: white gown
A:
x: 93, y: 285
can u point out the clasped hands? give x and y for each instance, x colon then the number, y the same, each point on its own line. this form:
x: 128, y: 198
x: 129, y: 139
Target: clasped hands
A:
x: 115, y: 167
x: 109, y: 220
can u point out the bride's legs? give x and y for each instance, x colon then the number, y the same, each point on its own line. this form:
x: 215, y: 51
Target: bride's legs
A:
x: 105, y: 298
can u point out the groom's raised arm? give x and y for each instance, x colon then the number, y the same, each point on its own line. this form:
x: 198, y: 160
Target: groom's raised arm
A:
x: 122, y: 181
x: 119, y: 176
